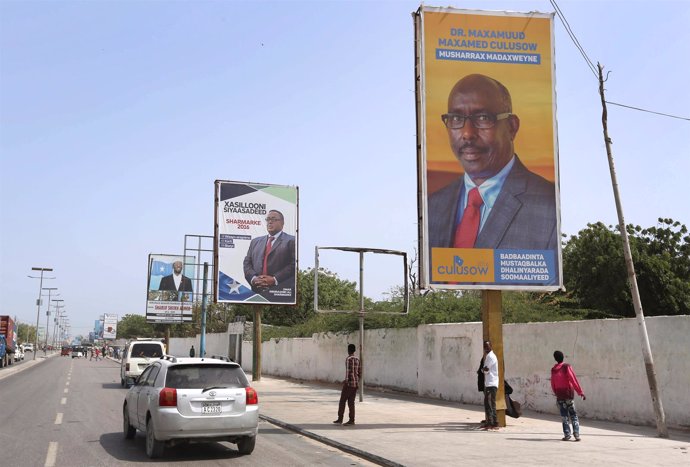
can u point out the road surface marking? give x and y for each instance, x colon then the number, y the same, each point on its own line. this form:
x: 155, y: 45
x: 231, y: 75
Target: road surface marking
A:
x: 52, y: 454
x: 66, y: 390
x: 58, y: 419
x: 63, y: 401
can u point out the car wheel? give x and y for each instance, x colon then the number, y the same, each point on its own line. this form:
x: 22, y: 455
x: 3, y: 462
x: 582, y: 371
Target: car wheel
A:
x: 154, y: 448
x: 127, y: 427
x: 246, y: 445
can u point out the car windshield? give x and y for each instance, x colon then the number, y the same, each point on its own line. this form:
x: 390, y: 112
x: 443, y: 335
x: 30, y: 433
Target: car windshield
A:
x: 195, y: 376
x: 146, y: 350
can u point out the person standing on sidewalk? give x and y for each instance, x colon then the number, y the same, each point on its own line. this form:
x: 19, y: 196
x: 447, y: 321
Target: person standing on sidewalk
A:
x: 192, y: 352
x: 353, y: 371
x: 490, y: 387
x: 564, y: 385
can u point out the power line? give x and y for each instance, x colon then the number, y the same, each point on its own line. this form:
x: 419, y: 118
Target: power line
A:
x: 591, y: 66
x: 566, y: 25
x: 649, y: 111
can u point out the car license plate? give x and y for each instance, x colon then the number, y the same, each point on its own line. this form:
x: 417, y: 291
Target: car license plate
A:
x: 210, y: 408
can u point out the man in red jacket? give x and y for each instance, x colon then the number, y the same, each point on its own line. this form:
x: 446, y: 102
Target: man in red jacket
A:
x: 564, y: 385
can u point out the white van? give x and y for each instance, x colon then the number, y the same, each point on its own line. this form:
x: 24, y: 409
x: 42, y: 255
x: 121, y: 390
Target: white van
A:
x: 138, y: 354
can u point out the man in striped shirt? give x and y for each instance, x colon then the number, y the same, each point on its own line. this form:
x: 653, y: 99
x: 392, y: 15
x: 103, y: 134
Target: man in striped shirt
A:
x: 353, y: 371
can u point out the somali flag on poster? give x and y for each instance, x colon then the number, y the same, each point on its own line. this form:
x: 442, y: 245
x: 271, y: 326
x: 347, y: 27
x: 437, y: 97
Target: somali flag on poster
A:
x: 231, y: 289
x: 160, y: 268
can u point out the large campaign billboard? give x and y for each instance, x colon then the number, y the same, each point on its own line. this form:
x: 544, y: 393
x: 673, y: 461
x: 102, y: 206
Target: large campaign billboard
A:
x: 170, y: 288
x: 256, y: 233
x: 487, y: 150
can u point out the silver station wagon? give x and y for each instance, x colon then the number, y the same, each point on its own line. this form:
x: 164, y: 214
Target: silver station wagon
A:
x: 179, y: 400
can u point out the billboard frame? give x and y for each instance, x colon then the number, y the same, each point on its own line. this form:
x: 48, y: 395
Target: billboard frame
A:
x: 492, y: 256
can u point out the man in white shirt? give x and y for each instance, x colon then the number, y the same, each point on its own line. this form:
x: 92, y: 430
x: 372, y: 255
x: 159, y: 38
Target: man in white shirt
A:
x: 176, y: 282
x: 490, y: 386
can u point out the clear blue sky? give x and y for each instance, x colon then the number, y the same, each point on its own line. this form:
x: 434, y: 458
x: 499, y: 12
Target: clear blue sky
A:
x: 116, y: 117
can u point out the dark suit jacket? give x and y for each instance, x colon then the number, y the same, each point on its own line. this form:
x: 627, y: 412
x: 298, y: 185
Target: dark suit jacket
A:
x: 168, y: 283
x: 523, y: 217
x: 281, y: 259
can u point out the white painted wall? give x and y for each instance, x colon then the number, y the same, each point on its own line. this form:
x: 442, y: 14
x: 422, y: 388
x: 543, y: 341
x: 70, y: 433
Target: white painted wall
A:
x: 441, y: 360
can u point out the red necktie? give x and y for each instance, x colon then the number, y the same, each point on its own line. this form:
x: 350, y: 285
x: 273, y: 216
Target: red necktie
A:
x: 466, y: 232
x: 266, y: 252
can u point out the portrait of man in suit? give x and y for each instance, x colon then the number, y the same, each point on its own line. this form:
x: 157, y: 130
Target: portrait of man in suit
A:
x: 497, y: 203
x: 176, y: 282
x: 269, y: 266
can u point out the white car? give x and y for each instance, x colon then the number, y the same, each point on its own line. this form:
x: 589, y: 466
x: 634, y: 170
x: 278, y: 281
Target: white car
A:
x: 18, y: 354
x: 177, y: 400
x: 28, y: 347
x: 138, y: 354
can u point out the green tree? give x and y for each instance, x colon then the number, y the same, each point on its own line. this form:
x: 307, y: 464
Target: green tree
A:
x: 25, y: 332
x: 131, y: 326
x: 595, y: 273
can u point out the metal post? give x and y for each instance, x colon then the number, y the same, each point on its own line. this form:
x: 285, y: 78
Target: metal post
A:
x: 256, y: 358
x: 56, y: 320
x: 361, y: 324
x: 202, y: 343
x: 38, y: 305
x: 662, y: 430
x: 57, y: 310
x: 45, y: 342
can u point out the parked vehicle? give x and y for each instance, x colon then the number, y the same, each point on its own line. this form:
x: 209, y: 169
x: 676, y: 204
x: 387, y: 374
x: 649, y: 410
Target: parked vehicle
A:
x: 8, y: 341
x: 177, y: 400
x: 18, y: 354
x: 28, y: 347
x: 138, y: 354
x: 65, y: 351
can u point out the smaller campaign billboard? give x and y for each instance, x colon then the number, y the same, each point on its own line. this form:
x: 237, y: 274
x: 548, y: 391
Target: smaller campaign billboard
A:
x: 170, y: 288
x: 255, y: 243
x: 109, y: 326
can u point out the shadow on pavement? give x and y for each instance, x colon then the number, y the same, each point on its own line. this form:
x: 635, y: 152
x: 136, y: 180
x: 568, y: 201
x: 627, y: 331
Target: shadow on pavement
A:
x: 134, y: 450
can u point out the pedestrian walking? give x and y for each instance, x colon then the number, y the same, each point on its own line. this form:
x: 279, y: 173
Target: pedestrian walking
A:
x: 564, y: 384
x: 192, y: 352
x: 353, y: 372
x: 490, y: 371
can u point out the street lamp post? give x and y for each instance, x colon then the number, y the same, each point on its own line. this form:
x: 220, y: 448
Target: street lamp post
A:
x: 57, y: 313
x: 38, y: 304
x: 45, y: 341
x: 57, y: 329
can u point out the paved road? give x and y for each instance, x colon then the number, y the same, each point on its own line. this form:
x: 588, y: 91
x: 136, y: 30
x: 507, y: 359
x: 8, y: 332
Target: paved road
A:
x: 67, y: 412
x: 392, y: 429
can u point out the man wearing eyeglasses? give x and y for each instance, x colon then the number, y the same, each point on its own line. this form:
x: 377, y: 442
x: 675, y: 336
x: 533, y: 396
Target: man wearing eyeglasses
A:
x: 498, y: 203
x: 270, y: 262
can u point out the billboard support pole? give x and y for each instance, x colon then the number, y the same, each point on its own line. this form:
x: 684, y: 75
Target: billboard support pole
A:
x: 204, y: 299
x: 492, y: 330
x: 361, y: 325
x: 256, y: 358
x: 662, y: 430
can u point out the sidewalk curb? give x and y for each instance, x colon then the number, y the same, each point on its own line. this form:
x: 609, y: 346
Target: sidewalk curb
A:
x: 343, y: 447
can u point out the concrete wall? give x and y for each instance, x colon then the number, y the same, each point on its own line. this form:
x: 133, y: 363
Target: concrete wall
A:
x: 441, y: 360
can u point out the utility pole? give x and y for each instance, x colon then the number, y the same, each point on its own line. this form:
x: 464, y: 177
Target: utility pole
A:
x: 45, y: 341
x: 55, y: 320
x: 632, y: 278
x: 38, y: 304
